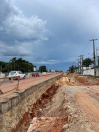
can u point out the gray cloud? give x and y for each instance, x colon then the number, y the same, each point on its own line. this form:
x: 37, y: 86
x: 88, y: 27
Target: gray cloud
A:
x: 15, y: 50
x: 46, y: 62
x: 48, y: 30
x: 15, y: 24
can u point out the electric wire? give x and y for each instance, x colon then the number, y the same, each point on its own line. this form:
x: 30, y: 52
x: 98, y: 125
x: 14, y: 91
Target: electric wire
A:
x: 94, y: 34
x: 87, y: 45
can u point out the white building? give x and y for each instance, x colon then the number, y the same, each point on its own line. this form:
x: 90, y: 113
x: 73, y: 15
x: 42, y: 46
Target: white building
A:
x: 84, y: 68
x: 34, y: 68
x: 91, y: 71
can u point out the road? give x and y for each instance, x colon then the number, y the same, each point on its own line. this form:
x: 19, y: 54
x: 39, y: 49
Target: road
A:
x: 84, y: 100
x: 8, y: 86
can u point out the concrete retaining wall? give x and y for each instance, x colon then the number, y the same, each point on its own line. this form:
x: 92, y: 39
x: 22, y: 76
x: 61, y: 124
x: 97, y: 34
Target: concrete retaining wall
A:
x: 13, y: 108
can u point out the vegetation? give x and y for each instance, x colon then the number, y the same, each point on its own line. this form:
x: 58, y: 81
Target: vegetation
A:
x: 71, y: 69
x: 93, y: 76
x: 42, y: 69
x: 87, y: 62
x: 16, y: 64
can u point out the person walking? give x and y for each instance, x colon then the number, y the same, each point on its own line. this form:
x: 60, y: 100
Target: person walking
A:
x: 69, y: 79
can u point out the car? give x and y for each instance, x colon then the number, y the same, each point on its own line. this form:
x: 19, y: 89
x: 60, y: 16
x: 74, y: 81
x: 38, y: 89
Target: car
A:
x: 48, y: 73
x: 35, y: 74
x: 44, y: 73
x: 16, y: 73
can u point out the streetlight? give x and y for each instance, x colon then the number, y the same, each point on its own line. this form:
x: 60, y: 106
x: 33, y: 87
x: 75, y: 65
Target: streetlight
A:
x: 90, y: 53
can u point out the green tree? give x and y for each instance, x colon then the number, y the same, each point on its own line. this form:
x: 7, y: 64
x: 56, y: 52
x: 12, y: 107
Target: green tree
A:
x: 87, y: 62
x: 16, y: 64
x: 42, y: 69
x: 71, y: 69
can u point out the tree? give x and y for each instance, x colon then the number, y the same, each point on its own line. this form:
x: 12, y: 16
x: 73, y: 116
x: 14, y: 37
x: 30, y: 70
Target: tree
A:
x: 42, y: 69
x: 16, y: 64
x: 87, y: 62
x: 13, y: 61
x: 56, y: 70
x: 71, y: 69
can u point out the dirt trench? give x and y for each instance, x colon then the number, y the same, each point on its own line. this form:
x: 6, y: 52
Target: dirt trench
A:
x: 47, y: 110
x: 65, y: 80
x: 62, y: 108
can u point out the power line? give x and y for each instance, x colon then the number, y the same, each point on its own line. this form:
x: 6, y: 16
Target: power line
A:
x: 94, y: 34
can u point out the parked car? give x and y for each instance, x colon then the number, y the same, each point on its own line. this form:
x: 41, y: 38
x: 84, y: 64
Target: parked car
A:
x: 35, y: 74
x: 44, y: 73
x: 16, y: 73
x: 48, y: 73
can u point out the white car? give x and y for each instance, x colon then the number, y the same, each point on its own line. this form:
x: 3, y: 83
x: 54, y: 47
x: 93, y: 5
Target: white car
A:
x: 44, y: 73
x: 16, y: 73
x: 48, y: 73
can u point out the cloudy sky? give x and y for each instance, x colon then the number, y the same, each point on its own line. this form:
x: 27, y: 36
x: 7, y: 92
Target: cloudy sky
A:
x: 51, y: 33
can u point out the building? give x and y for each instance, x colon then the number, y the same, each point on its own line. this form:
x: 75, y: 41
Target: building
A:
x: 84, y: 69
x: 34, y: 68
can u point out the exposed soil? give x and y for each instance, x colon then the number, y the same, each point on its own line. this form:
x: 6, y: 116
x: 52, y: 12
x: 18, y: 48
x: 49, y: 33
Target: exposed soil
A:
x: 48, y: 105
x: 66, y: 107
x: 78, y: 80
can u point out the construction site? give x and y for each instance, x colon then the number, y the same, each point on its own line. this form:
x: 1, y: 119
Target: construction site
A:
x: 68, y: 107
x: 61, y: 106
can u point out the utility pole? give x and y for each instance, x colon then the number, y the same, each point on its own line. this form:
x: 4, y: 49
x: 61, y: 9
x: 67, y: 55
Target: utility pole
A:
x: 94, y: 56
x: 78, y: 65
x: 98, y: 61
x: 97, y: 55
x: 74, y: 64
x: 82, y: 63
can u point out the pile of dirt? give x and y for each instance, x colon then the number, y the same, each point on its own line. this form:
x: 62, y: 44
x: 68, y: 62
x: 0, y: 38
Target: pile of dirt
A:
x: 77, y: 79
x: 86, y: 80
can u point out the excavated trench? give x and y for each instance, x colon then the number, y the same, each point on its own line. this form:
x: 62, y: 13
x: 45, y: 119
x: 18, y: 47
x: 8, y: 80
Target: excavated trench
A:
x: 65, y: 81
x: 47, y: 110
x: 40, y: 109
x: 52, y: 112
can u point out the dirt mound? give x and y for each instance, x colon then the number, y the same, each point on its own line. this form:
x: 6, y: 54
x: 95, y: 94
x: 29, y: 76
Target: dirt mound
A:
x: 86, y: 80
x: 73, y: 74
x: 77, y: 79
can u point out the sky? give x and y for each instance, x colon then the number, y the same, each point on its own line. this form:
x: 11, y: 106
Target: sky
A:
x: 51, y: 33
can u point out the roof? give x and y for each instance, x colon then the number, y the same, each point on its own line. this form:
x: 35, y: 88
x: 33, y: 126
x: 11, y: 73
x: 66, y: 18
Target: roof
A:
x: 95, y: 67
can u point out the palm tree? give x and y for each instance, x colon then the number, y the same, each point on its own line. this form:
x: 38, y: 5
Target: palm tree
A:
x: 13, y: 61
